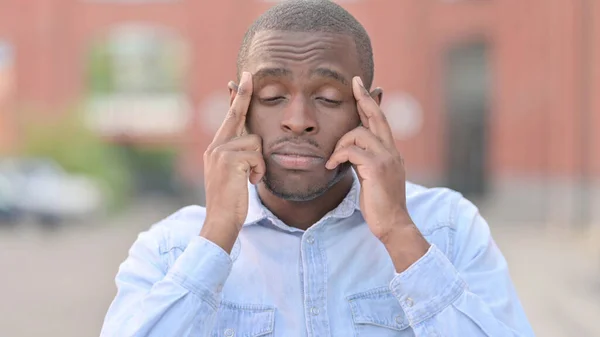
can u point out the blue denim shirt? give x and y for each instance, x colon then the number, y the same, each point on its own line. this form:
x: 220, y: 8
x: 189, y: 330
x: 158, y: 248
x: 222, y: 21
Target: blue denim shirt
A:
x: 334, y: 279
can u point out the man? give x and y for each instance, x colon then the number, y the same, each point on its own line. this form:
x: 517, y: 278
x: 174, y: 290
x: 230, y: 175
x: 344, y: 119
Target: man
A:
x: 327, y: 239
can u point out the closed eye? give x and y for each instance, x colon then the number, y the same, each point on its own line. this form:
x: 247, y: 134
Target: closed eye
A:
x: 330, y: 102
x: 272, y: 100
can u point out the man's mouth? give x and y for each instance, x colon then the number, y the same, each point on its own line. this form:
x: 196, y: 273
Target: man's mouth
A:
x: 296, y: 161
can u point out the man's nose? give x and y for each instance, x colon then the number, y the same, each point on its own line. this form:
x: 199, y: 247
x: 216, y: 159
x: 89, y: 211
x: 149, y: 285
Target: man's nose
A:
x: 300, y: 117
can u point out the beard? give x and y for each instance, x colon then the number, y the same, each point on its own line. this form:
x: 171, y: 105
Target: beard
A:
x: 307, y: 189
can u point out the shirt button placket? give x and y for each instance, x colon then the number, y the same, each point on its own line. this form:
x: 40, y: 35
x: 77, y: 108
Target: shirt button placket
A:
x: 315, y: 283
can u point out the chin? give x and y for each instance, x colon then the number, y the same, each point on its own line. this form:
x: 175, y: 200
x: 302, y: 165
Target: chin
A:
x: 302, y: 186
x: 295, y: 194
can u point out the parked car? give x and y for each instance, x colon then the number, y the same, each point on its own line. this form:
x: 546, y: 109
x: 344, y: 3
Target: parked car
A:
x: 9, y: 213
x: 43, y: 189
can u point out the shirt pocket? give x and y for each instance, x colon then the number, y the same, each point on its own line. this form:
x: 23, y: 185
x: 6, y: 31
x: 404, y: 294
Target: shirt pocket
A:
x: 377, y: 313
x: 244, y: 320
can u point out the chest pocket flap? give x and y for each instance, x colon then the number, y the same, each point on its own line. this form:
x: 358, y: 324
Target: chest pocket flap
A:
x: 244, y: 320
x: 378, y: 307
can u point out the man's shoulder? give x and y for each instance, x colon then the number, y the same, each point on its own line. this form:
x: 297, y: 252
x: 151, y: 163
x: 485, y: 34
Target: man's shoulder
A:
x: 187, y: 215
x: 435, y: 207
x: 177, y: 229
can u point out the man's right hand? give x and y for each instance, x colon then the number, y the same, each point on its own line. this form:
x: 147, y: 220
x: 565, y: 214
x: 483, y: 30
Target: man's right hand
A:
x: 229, y: 162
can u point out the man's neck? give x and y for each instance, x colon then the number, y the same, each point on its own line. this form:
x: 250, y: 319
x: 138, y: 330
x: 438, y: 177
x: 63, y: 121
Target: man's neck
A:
x: 303, y: 214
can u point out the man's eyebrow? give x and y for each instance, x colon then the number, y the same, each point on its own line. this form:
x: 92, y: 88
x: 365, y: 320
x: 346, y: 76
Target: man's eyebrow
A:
x: 326, y: 72
x: 271, y: 72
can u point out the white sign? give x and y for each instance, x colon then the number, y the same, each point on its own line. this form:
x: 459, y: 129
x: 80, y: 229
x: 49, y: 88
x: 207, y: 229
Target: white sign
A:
x: 213, y: 111
x: 139, y: 115
x: 404, y: 113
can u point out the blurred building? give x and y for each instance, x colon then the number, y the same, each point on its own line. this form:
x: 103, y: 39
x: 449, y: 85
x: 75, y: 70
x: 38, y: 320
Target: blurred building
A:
x: 497, y: 99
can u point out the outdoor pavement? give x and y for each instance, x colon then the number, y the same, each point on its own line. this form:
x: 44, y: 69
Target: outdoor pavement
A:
x: 61, y: 283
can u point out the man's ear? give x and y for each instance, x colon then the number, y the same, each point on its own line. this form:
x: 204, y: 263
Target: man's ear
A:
x: 377, y: 95
x: 233, y: 89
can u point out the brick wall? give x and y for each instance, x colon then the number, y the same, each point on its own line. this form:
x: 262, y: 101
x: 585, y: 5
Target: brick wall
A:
x: 534, y: 124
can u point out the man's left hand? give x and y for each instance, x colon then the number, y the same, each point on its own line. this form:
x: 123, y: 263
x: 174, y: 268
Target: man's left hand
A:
x: 372, y: 151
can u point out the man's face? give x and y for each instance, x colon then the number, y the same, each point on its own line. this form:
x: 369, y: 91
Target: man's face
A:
x: 302, y: 104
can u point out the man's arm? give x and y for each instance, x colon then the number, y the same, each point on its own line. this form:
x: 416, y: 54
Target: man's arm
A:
x: 471, y: 296
x: 154, y: 301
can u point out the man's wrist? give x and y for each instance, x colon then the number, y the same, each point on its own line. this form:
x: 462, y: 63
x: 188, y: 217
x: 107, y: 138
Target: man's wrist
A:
x: 405, y: 245
x: 221, y: 234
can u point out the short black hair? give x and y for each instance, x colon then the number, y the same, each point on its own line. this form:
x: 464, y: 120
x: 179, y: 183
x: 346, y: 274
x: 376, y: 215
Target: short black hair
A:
x: 312, y: 16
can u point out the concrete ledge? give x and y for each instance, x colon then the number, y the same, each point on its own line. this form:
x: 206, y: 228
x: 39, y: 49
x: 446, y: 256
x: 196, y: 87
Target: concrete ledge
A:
x: 530, y: 199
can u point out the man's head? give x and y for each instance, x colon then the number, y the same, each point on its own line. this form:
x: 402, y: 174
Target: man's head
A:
x: 312, y: 16
x: 303, y: 56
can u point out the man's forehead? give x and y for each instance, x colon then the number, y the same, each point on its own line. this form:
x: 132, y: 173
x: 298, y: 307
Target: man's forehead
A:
x: 332, y: 73
x: 308, y: 51
x: 296, y: 45
x: 295, y: 35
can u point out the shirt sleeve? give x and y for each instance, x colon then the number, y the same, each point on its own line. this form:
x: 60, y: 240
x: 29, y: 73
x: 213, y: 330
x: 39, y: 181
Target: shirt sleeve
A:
x: 472, y: 295
x: 152, y: 301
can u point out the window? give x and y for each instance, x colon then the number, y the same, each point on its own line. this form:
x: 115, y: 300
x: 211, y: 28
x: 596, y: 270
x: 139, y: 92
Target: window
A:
x: 136, y: 78
x: 7, y: 91
x: 467, y: 89
x: 6, y: 71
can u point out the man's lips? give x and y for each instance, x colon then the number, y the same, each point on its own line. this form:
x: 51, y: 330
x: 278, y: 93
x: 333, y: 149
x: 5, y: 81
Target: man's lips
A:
x: 297, y: 162
x: 297, y: 157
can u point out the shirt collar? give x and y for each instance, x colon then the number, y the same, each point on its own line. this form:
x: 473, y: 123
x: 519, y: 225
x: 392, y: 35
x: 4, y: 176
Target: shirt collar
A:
x: 258, y: 212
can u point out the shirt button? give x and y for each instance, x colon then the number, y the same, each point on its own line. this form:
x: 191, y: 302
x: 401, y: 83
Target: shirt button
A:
x: 409, y: 302
x: 310, y: 240
x: 399, y: 319
x: 229, y: 333
x: 314, y: 311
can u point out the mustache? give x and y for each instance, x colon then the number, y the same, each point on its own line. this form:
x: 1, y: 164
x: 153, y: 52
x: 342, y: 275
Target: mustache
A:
x: 294, y: 140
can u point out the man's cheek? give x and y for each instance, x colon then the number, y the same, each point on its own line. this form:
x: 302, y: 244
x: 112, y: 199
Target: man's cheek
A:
x: 251, y: 126
x: 337, y: 139
x: 353, y: 117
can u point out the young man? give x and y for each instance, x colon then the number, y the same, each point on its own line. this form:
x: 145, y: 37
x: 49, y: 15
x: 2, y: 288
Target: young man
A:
x: 327, y: 239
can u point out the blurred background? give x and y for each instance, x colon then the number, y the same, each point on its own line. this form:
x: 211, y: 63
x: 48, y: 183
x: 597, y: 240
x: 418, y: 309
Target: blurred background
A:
x: 106, y: 107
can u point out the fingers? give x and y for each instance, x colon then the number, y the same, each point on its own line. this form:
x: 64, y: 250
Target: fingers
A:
x: 363, y: 118
x: 362, y: 138
x: 252, y: 163
x: 353, y: 154
x: 242, y: 143
x: 243, y: 154
x: 233, y: 125
x: 376, y: 121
